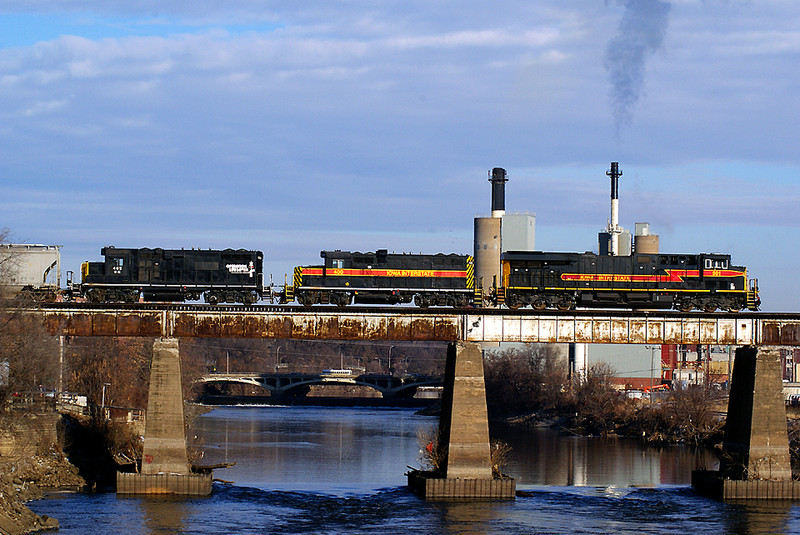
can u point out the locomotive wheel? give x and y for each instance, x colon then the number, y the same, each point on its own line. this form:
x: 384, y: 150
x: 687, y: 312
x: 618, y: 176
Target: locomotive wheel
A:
x: 709, y: 307
x: 212, y: 299
x: 340, y: 299
x: 422, y: 301
x: 735, y: 308
x: 513, y: 302
x: 539, y: 304
x: 563, y: 306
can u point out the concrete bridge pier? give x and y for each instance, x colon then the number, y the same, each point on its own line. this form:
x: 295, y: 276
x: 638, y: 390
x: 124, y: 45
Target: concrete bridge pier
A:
x: 755, y: 463
x: 466, y: 469
x: 165, y: 465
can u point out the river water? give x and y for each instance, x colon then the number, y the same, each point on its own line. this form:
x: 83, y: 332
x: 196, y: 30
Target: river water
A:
x: 341, y: 470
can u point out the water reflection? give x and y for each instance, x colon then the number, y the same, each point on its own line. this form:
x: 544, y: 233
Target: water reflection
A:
x: 164, y: 514
x: 307, y: 448
x: 332, y: 471
x: 759, y: 518
x: 470, y: 518
x: 543, y: 456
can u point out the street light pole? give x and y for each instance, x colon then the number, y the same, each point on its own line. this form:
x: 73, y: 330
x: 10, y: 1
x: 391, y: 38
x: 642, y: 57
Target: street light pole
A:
x: 103, y: 400
x: 652, y: 358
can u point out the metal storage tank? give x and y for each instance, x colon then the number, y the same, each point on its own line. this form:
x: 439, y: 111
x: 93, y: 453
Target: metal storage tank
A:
x: 643, y: 241
x: 488, y: 234
x: 487, y: 251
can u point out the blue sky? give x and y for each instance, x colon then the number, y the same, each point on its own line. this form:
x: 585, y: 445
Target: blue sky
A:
x: 293, y: 127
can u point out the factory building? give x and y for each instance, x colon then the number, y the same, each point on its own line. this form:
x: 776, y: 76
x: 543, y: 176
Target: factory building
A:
x: 615, y: 240
x: 499, y: 233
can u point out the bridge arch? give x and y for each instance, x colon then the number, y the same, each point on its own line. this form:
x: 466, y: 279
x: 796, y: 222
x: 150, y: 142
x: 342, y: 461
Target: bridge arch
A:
x: 288, y: 385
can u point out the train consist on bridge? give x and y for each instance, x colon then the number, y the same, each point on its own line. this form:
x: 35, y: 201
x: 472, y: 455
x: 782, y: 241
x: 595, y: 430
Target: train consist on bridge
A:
x: 537, y: 279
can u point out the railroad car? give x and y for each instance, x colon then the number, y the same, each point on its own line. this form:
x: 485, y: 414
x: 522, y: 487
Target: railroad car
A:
x: 381, y: 277
x: 219, y: 276
x: 30, y: 270
x: 680, y: 281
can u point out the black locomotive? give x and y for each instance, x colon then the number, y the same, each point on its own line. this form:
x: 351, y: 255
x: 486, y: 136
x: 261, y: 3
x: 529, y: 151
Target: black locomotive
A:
x: 385, y: 278
x: 568, y: 280
x: 220, y: 276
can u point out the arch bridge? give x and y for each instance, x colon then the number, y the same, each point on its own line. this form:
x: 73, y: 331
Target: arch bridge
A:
x: 297, y: 384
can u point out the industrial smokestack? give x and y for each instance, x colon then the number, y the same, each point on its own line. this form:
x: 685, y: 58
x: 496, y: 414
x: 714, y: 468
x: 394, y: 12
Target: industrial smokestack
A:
x: 498, y: 180
x: 613, y: 225
x: 614, y: 173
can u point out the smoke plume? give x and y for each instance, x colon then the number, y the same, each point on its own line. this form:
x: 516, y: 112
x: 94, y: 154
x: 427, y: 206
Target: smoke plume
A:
x: 641, y: 34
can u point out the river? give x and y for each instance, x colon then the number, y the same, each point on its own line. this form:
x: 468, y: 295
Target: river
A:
x: 341, y: 470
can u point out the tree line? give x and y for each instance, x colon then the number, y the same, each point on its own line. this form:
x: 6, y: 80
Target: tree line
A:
x: 532, y: 383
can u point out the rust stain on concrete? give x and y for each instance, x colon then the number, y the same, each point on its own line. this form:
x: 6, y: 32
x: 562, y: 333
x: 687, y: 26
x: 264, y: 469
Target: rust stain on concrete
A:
x: 398, y: 328
x: 207, y: 326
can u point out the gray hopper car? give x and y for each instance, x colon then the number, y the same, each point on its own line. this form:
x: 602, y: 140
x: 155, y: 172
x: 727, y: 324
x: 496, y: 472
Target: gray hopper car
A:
x: 30, y: 270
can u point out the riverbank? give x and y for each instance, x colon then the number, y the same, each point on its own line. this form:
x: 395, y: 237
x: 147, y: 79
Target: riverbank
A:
x: 31, y: 461
x: 26, y: 479
x: 654, y: 424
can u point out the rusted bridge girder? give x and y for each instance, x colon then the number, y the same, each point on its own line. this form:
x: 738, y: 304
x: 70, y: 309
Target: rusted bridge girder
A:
x: 404, y: 324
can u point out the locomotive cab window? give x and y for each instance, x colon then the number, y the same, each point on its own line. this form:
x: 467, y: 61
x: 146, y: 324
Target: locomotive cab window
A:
x: 337, y: 263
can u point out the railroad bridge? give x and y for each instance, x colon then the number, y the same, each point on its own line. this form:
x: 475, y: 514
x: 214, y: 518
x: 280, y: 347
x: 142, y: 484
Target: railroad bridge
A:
x: 756, y: 442
x: 293, y: 384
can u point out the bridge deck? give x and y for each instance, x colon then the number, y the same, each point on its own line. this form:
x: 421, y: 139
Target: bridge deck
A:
x: 439, y: 324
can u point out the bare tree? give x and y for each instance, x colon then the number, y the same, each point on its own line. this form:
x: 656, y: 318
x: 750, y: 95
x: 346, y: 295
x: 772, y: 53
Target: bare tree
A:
x: 29, y: 355
x: 525, y: 379
x: 598, y: 407
x: 116, y: 367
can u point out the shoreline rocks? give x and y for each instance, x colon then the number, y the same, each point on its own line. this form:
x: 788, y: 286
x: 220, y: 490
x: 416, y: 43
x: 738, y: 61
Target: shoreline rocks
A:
x: 23, y: 480
x: 31, y: 460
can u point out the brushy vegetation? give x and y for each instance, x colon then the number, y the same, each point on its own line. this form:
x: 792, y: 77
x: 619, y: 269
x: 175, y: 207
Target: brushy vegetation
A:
x: 433, y: 453
x: 533, y: 380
